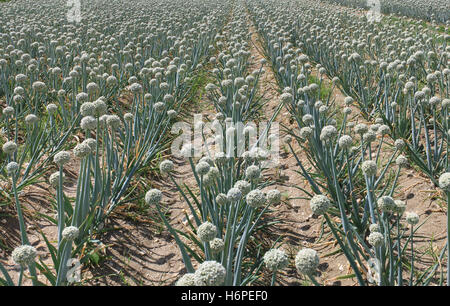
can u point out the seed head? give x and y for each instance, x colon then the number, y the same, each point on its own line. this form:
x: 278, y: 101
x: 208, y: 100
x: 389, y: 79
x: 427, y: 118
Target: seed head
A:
x: 444, y: 182
x: 186, y: 280
x: 11, y: 168
x: 9, y: 147
x: 206, y: 231
x: 221, y: 199
x: 210, y: 273
x: 307, y: 261
x: 82, y: 150
x: 166, y: 166
x: 24, y: 255
x: 369, y: 167
x: 256, y: 198
x: 153, y: 196
x: 61, y: 158
x: 319, y: 204
x: 252, y: 172
x: 273, y: 196
x: 202, y: 168
x: 386, y: 204
x: 375, y: 239
x: 54, y: 179
x: 276, y: 259
x: 243, y: 186
x: 70, y: 233
x: 412, y: 218
x: 216, y: 245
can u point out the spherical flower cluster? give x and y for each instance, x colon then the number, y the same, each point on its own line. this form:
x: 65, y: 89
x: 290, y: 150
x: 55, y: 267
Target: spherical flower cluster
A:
x: 24, y: 255
x: 216, y: 245
x: 369, y: 136
x: 8, y: 111
x: 88, y: 123
x: 51, y: 108
x: 348, y: 100
x: 234, y: 194
x: 369, y: 167
x: 221, y: 199
x: 113, y: 121
x: 252, y: 172
x: 401, y: 161
x: 206, y: 231
x: 399, y: 144
x: 345, y: 141
x: 87, y: 109
x: 328, y: 133
x: 11, y: 168
x: 39, y: 86
x: 31, y: 119
x: 136, y: 88
x: 92, y: 143
x: 186, y: 280
x: 307, y: 261
x: 82, y: 150
x: 319, y: 204
x: 100, y: 107
x: 61, y: 158
x: 171, y: 113
x: 166, y: 166
x: 308, y: 119
x: 444, y: 182
x: 273, y: 196
x: 386, y: 204
x: 243, y: 186
x: 347, y: 110
x: 286, y: 97
x: 361, y: 128
x: 70, y: 233
x: 202, y: 168
x: 256, y: 198
x: 54, y: 179
x: 412, y: 218
x: 375, y: 239
x: 383, y: 130
x: 305, y: 132
x: 210, y: 273
x: 159, y: 107
x: 400, y: 207
x: 213, y: 172
x: 153, y: 196
x: 275, y: 259
x: 9, y: 147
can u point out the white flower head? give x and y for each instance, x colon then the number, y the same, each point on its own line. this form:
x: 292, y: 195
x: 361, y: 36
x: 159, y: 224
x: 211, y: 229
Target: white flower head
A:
x: 186, y: 280
x: 444, y: 182
x: 307, y: 261
x: 70, y: 233
x: 210, y: 273
x: 153, y: 196
x: 276, y: 259
x: 256, y: 198
x: 206, y: 231
x: 217, y: 245
x: 319, y: 204
x: 375, y: 239
x: 24, y: 255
